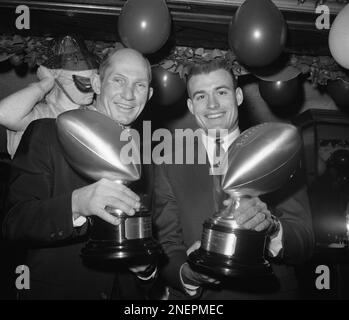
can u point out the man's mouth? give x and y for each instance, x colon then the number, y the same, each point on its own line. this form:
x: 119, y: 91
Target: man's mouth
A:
x: 124, y: 106
x: 215, y: 115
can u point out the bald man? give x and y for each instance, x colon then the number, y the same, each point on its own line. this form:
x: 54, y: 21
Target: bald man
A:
x: 49, y: 202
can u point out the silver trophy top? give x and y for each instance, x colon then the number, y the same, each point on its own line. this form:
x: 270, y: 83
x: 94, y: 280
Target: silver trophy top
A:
x: 92, y: 146
x: 261, y: 159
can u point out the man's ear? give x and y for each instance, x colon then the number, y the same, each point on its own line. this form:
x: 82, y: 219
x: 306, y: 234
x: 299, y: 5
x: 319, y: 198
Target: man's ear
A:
x: 239, y: 95
x: 96, y: 83
x: 190, y: 105
x: 150, y: 93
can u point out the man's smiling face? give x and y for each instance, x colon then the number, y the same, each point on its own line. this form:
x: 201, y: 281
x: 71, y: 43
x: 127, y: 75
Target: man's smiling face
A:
x: 213, y: 100
x: 124, y: 87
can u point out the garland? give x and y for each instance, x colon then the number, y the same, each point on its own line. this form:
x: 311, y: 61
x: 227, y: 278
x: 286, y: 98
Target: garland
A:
x: 35, y: 50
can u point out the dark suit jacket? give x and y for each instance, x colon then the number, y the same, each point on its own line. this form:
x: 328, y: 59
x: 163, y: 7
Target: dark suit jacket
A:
x: 40, y: 216
x: 183, y: 198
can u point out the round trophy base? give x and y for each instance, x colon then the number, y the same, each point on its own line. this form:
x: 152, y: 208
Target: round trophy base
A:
x: 144, y: 250
x: 224, y: 266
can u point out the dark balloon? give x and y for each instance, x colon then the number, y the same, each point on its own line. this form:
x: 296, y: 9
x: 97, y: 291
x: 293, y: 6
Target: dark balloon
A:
x: 339, y: 92
x: 280, y: 94
x: 144, y: 25
x: 168, y: 87
x: 257, y: 33
x: 277, y: 73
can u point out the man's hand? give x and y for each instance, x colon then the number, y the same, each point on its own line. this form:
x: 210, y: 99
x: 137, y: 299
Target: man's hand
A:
x: 94, y: 198
x: 192, y: 277
x: 47, y: 80
x: 252, y: 214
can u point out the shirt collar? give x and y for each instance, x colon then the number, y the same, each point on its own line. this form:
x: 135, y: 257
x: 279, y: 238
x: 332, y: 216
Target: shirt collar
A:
x: 227, y: 139
x: 209, y: 143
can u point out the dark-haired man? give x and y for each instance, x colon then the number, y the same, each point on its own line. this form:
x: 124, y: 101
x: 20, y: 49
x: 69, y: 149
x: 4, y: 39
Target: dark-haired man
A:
x: 49, y: 202
x: 184, y: 198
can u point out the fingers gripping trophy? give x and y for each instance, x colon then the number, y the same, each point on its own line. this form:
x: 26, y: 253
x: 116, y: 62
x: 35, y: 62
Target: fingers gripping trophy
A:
x: 92, y: 144
x: 259, y: 161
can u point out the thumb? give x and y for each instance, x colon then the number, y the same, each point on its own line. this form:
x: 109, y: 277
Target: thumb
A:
x: 44, y: 72
x: 47, y: 84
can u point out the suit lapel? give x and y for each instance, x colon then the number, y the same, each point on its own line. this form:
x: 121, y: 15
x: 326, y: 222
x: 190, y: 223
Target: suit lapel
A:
x: 201, y: 179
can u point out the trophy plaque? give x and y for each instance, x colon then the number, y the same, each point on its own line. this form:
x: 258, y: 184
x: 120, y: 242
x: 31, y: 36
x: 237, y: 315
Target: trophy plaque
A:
x: 259, y: 161
x: 92, y: 145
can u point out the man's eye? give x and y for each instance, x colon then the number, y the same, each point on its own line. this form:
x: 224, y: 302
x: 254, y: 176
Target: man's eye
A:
x: 222, y: 92
x: 118, y: 80
x: 200, y: 97
x: 141, y: 85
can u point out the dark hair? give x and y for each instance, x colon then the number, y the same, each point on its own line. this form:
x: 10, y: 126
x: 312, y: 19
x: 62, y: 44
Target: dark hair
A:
x: 107, y: 59
x: 207, y: 67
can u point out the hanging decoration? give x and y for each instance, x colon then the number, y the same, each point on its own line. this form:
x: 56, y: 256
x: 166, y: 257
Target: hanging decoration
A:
x: 281, y: 90
x: 257, y: 33
x: 144, y: 25
x: 34, y: 51
x: 168, y: 86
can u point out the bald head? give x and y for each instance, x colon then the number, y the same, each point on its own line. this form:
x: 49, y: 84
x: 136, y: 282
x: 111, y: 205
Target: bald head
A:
x: 123, y: 85
x: 127, y: 56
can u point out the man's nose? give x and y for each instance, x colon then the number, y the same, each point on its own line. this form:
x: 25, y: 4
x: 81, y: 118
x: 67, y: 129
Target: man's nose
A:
x: 128, y: 93
x: 212, y: 102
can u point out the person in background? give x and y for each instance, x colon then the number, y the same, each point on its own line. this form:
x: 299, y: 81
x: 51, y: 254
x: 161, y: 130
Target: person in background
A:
x: 64, y: 85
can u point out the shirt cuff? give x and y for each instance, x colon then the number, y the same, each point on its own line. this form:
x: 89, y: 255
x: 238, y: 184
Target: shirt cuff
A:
x: 189, y: 288
x: 78, y: 222
x: 152, y: 276
x: 275, y: 244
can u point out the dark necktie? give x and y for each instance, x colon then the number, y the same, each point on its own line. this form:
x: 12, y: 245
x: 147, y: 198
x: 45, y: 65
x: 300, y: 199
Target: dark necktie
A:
x: 217, y: 175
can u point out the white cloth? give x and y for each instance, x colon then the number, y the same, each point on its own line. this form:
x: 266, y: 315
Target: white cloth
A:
x: 41, y: 110
x: 79, y: 221
x: 152, y: 276
x: 209, y: 143
x: 55, y: 103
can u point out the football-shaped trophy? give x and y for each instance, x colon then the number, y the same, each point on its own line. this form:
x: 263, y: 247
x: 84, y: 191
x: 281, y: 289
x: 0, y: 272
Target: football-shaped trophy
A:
x: 259, y: 161
x: 92, y: 145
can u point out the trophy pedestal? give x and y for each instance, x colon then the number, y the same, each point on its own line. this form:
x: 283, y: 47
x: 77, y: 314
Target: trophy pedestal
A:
x: 230, y: 252
x: 145, y: 250
x: 219, y: 265
x: 129, y: 241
